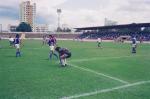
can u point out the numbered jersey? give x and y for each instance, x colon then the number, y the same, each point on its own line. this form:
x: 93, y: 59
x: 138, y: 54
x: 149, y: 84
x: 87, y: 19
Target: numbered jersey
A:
x: 16, y: 41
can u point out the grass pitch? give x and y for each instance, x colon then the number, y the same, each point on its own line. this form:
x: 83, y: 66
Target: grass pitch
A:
x: 108, y: 73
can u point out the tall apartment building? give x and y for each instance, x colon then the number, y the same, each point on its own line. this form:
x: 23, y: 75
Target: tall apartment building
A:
x: 28, y: 13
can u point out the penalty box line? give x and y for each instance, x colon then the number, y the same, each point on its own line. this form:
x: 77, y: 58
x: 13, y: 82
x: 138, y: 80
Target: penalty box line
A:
x: 100, y: 74
x: 107, y: 90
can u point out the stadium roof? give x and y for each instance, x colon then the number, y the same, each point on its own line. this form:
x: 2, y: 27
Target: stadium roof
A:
x: 134, y: 25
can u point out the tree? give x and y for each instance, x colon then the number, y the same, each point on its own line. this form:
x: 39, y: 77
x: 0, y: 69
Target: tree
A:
x: 59, y: 29
x: 24, y: 27
x: 66, y: 30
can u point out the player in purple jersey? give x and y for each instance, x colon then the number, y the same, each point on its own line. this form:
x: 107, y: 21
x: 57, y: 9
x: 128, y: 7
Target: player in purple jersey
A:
x: 52, y: 44
x: 17, y: 45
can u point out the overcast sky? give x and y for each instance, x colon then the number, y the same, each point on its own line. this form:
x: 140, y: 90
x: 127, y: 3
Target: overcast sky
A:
x: 79, y: 13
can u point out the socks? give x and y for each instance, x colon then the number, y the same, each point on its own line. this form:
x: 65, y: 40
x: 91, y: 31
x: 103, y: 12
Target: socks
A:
x: 63, y: 62
x: 51, y: 54
x: 55, y: 55
x: 18, y: 54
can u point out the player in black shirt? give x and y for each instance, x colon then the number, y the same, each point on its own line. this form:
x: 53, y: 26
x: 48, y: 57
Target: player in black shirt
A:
x: 64, y: 53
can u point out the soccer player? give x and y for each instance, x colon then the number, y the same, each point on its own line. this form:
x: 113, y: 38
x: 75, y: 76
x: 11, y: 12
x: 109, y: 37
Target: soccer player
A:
x: 64, y: 53
x: 52, y: 44
x: 44, y: 40
x: 141, y: 39
x: 11, y: 41
x: 134, y: 45
x: 99, y: 41
x: 54, y: 38
x: 17, y: 42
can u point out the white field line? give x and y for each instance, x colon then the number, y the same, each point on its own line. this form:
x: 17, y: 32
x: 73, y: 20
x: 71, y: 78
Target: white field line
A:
x: 106, y: 90
x: 34, y: 48
x: 98, y: 73
x: 101, y: 58
x: 21, y: 48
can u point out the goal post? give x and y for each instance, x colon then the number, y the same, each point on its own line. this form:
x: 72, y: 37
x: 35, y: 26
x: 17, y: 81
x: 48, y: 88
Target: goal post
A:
x: 22, y: 36
x: 122, y: 38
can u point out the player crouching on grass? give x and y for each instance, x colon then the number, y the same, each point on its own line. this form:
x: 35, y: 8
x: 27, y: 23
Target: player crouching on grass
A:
x: 63, y: 55
x: 17, y: 42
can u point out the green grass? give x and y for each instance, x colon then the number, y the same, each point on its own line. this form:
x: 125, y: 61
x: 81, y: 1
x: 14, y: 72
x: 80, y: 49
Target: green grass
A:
x: 34, y: 76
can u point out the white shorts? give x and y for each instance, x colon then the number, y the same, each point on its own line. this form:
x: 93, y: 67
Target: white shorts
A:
x: 52, y: 48
x: 17, y: 46
x: 133, y: 45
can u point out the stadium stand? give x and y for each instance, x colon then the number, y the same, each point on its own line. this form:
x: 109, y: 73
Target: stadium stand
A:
x: 114, y: 35
x: 140, y: 30
x: 40, y: 35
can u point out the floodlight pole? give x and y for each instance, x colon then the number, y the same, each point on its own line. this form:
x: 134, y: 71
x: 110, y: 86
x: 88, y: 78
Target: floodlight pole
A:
x: 58, y: 12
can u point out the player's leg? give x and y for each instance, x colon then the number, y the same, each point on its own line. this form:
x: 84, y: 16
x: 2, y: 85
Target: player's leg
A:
x: 10, y: 44
x: 99, y: 44
x: 65, y: 62
x: 19, y: 53
x: 62, y: 60
x: 53, y: 49
x: 67, y: 55
x: 17, y: 50
x: 55, y: 54
x: 51, y: 52
x: 42, y: 42
x: 133, y: 49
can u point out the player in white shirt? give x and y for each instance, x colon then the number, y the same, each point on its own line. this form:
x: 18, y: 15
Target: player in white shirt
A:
x: 99, y: 41
x: 134, y: 45
x: 11, y: 41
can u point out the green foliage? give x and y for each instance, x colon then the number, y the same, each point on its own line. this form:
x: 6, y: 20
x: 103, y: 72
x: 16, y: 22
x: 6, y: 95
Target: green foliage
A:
x: 24, y: 27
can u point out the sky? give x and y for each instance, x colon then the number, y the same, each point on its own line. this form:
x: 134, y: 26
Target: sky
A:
x: 79, y: 13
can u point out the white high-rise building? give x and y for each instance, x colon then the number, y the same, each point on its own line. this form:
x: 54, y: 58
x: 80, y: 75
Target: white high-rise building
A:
x: 41, y: 28
x: 28, y: 13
